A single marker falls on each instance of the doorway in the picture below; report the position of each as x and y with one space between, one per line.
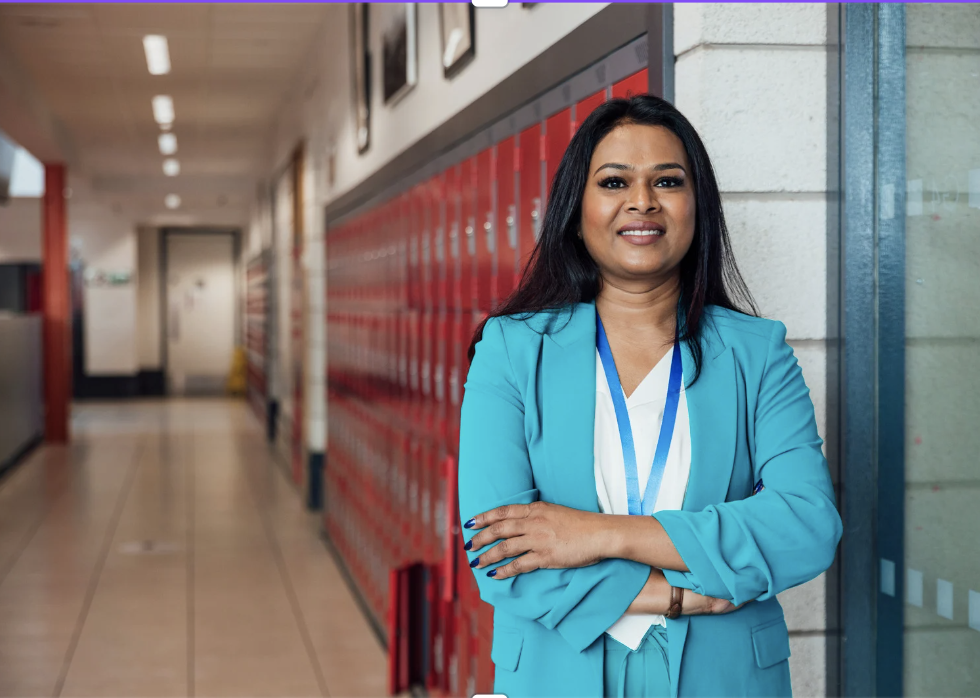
201 310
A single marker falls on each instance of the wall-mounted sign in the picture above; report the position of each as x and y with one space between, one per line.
102 277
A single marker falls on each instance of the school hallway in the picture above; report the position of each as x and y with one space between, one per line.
165 553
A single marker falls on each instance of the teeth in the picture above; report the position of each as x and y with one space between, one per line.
641 233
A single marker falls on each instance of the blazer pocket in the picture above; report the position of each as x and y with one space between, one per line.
771 643
506 649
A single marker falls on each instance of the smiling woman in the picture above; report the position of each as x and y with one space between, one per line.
627 343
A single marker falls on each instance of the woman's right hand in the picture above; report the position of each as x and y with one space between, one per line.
695 604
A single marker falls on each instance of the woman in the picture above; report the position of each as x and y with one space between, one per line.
628 344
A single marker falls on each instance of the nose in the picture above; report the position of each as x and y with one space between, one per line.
642 200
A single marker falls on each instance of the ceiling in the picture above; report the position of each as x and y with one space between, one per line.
83 66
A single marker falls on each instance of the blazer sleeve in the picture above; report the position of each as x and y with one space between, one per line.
494 470
787 534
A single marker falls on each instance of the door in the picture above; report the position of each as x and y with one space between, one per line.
201 312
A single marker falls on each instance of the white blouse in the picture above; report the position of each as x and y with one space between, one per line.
646 411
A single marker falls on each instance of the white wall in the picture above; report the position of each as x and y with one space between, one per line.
753 80
106 240
20 231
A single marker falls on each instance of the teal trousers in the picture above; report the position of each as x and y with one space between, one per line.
640 673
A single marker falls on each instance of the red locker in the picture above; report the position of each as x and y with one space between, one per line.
530 207
468 242
454 232
505 223
456 375
485 235
586 107
450 552
438 214
635 84
414 299
558 133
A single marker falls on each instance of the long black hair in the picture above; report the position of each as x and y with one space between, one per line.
560 271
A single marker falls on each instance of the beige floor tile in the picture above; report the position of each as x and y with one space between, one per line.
236 596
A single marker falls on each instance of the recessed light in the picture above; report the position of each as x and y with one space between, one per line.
163 110
172 201
171 167
168 143
157 54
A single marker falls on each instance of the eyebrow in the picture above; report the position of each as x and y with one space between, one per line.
630 168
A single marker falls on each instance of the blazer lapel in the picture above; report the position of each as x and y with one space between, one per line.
712 409
567 394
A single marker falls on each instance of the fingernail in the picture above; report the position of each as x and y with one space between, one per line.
476 561
492 573
469 544
470 524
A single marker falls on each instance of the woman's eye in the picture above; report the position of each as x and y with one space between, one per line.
613 183
668 182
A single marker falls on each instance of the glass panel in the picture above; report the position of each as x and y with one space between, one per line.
942 409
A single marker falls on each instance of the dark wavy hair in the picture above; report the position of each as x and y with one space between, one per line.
560 271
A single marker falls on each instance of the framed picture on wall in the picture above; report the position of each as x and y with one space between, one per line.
458 23
361 60
399 52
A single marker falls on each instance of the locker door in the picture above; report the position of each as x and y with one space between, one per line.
438 246
586 107
530 207
454 231
468 267
635 84
558 133
486 235
505 223
414 249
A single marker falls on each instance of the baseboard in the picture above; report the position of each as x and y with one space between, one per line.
315 464
152 383
106 386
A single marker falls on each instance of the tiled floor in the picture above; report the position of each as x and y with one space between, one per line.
164 553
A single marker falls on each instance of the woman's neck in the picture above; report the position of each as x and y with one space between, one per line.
647 310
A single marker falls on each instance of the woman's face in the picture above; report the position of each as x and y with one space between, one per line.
638 210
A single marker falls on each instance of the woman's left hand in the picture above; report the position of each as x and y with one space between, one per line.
541 536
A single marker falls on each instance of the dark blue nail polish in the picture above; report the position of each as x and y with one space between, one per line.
492 573
469 544
476 561
470 523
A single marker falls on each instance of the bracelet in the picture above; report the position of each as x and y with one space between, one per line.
676 603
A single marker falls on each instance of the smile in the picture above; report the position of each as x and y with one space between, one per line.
641 233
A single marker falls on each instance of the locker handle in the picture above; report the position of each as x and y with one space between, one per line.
488 227
512 226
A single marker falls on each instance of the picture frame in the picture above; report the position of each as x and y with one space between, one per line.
457 22
361 78
399 48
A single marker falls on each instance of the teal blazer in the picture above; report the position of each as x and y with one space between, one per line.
526 434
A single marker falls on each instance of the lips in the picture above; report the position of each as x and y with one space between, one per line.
642 229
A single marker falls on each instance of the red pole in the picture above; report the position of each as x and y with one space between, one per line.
56 306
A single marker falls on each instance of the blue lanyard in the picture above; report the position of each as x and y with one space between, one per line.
649 501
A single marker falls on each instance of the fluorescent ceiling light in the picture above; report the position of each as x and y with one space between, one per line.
171 167
163 110
168 143
172 201
157 54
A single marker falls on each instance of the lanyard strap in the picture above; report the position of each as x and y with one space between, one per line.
649 501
